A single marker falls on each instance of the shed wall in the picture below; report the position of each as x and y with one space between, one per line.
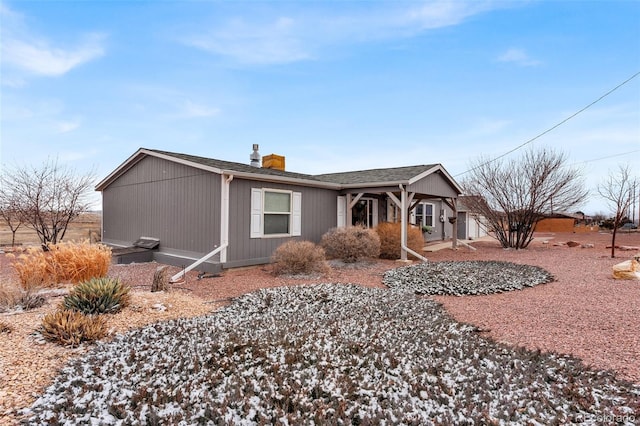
176 203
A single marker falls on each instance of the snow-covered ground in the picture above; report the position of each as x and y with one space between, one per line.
465 278
327 354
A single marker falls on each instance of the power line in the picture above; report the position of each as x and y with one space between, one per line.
553 127
607 157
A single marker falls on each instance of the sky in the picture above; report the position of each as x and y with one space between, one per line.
331 85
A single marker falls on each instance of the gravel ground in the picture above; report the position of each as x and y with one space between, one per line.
330 354
584 312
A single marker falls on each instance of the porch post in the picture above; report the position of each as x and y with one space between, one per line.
349 211
403 223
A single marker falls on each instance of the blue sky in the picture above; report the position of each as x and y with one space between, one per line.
333 86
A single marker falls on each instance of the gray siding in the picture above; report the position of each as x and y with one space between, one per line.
435 185
319 214
178 204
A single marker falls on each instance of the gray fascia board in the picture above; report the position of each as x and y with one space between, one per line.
373 184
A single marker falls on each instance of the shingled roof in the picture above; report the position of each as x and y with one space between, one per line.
393 175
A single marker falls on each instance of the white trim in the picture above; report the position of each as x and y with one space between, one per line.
258 200
342 211
296 214
256 213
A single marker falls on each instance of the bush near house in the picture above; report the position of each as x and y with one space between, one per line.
351 244
389 234
299 257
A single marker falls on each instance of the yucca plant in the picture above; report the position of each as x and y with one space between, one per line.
70 328
98 296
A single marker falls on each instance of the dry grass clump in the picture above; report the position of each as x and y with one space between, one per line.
11 296
351 244
64 262
71 328
5 328
299 257
390 239
98 296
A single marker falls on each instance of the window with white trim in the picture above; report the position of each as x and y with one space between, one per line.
424 214
275 212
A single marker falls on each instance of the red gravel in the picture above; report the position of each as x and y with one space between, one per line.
584 312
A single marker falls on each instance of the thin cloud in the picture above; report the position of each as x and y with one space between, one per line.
193 110
287 38
25 51
439 14
518 57
273 43
67 126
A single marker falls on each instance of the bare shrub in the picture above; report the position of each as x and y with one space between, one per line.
160 279
70 328
389 234
62 263
299 257
9 295
351 244
5 328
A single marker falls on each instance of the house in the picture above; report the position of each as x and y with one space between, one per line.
218 214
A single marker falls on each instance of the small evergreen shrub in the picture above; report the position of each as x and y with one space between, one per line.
351 244
299 257
70 328
390 239
98 296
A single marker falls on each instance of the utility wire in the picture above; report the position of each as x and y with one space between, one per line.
605 158
553 127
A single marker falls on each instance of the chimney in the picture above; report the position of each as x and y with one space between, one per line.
255 156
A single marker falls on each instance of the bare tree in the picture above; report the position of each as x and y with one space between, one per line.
617 190
514 195
48 197
10 213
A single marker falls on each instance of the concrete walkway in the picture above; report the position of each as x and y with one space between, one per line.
431 247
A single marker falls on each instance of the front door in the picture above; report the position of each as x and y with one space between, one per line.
365 213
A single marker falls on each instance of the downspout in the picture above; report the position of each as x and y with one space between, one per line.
224 231
224 216
403 229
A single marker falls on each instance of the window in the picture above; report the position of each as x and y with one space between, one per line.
275 213
424 214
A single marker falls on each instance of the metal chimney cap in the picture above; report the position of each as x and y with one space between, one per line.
255 156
